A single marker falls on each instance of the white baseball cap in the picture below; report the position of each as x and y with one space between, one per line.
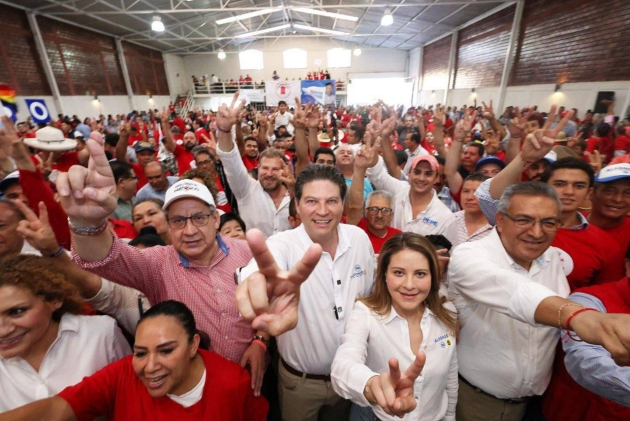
188 188
613 172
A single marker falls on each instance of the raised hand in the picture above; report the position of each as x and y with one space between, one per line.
439 117
538 143
299 117
394 391
226 117
165 115
87 194
37 230
518 125
487 110
286 177
8 135
312 116
366 156
270 297
465 125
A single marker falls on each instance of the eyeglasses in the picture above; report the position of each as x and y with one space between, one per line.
373 210
132 178
548 225
198 220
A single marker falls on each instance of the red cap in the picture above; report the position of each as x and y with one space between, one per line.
428 158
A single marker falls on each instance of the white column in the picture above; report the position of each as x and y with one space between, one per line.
509 56
125 72
451 66
43 55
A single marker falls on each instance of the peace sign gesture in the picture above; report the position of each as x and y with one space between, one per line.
270 297
465 125
393 391
368 153
538 143
227 117
37 230
487 110
87 194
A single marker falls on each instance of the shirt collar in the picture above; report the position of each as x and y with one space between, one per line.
582 224
342 246
536 264
393 314
223 247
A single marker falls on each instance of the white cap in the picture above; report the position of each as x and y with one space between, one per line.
78 134
613 172
188 188
551 157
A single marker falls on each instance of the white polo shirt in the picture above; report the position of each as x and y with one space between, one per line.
84 345
255 205
369 343
335 284
501 348
436 219
284 120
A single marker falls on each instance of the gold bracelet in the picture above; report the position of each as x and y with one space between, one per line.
562 307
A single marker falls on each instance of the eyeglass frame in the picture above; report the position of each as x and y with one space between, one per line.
381 210
187 218
533 221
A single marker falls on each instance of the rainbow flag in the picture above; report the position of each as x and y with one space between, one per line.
7 98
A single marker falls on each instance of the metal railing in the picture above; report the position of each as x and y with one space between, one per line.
231 87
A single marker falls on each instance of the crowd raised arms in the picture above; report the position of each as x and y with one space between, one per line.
306 262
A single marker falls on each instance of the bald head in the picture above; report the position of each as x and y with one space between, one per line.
156 176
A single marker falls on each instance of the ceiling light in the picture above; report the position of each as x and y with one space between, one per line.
221 54
248 15
323 30
157 25
387 19
356 51
323 13
263 31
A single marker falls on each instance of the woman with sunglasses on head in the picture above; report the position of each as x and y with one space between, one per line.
380 365
168 377
45 344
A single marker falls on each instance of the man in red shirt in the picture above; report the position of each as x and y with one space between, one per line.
250 156
183 153
622 142
180 123
200 132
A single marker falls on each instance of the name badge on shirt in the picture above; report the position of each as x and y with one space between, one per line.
445 340
429 221
358 271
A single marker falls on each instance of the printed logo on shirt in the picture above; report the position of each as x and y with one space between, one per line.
566 261
445 340
358 272
429 221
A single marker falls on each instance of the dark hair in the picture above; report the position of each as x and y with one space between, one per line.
358 129
292 209
324 151
320 172
120 169
158 202
147 237
112 139
476 176
603 129
281 102
250 138
208 180
401 156
199 122
231 216
439 241
480 148
571 163
415 137
176 310
440 159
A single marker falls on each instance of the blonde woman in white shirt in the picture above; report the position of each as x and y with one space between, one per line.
380 365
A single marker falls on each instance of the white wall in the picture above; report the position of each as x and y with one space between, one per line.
571 95
85 106
370 61
176 74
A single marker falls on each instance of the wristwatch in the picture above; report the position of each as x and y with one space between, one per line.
261 339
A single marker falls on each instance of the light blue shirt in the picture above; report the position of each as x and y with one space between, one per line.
148 192
367 187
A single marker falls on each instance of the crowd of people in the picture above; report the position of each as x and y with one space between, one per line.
305 263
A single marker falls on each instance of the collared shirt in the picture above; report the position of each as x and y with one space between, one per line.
148 192
326 298
84 345
501 348
435 219
461 231
123 209
162 273
371 340
447 199
256 207
411 155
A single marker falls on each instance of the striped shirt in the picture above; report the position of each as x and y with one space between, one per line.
461 232
162 273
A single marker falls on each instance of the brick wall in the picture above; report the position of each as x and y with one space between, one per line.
146 70
435 64
481 51
573 41
20 65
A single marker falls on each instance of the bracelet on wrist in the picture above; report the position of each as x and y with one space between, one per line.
87 231
562 307
568 327
224 131
57 253
262 339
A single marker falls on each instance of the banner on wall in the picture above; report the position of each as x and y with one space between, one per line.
38 110
252 95
7 102
277 91
320 92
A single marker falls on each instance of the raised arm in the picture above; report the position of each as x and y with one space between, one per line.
263 139
362 161
169 142
123 140
313 117
453 177
518 130
50 409
238 133
488 114
301 145
439 118
384 132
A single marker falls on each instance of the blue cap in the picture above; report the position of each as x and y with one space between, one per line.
489 159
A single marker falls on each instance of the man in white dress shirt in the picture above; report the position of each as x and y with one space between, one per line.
344 272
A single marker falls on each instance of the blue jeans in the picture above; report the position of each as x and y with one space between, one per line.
360 413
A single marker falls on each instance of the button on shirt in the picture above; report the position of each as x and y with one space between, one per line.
371 340
501 348
161 273
256 207
84 345
435 219
334 284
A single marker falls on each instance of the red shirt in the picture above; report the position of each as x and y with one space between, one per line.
622 143
198 134
377 242
117 393
65 161
184 158
222 201
132 139
180 123
122 228
620 233
250 164
139 171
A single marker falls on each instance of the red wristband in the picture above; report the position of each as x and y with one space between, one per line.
571 317
261 343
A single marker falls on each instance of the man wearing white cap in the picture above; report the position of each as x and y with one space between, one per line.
197 269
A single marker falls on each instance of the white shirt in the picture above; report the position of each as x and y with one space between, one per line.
193 396
371 340
84 345
284 120
501 348
411 155
256 207
461 230
435 219
334 284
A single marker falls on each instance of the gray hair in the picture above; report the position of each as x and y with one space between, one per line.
380 193
528 188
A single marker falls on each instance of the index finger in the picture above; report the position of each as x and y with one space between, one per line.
297 103
416 366
43 213
28 212
98 160
234 99
265 260
562 123
394 371
484 105
550 117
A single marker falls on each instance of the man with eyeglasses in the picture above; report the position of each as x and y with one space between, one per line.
197 269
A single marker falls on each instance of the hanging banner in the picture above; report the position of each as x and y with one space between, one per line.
38 110
276 91
7 102
320 92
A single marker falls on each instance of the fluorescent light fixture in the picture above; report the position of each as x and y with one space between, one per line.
263 31
221 54
387 19
323 13
323 30
356 51
157 25
248 15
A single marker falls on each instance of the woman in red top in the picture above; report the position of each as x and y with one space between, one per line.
167 378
